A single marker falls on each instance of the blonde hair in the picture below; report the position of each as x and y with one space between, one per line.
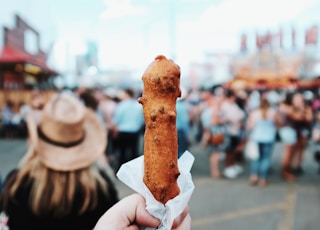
52 192
264 106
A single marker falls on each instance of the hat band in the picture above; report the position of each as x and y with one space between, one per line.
57 143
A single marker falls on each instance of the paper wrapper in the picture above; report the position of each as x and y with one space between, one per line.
131 173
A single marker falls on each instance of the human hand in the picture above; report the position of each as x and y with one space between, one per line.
203 144
182 222
130 214
115 133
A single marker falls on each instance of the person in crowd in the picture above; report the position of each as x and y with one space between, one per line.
204 101
24 110
214 130
130 213
37 103
253 100
287 136
262 126
128 121
302 117
298 116
59 183
107 106
241 101
183 123
37 100
16 121
193 100
315 105
234 117
315 137
7 117
89 100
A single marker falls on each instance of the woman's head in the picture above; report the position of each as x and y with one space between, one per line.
264 106
37 100
89 100
219 95
66 135
264 103
298 99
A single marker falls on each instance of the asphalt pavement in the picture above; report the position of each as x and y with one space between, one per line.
232 204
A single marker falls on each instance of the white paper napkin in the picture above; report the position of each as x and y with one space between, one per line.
131 173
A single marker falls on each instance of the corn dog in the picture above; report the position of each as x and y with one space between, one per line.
161 89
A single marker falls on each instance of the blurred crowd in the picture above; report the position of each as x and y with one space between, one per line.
228 123
77 140
244 126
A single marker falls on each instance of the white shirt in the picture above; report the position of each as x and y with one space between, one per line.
234 116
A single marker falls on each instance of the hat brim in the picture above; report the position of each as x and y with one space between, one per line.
70 158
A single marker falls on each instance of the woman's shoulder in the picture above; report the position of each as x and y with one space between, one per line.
255 113
112 190
10 176
21 195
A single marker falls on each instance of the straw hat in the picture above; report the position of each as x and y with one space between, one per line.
66 135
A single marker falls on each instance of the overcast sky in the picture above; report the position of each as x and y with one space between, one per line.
130 33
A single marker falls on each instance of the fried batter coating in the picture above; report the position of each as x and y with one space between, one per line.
161 89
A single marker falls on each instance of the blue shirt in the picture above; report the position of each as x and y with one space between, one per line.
206 118
129 116
264 130
182 119
7 115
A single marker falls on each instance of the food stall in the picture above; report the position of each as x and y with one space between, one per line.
23 65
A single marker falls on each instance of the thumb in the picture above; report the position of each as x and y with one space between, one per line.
143 217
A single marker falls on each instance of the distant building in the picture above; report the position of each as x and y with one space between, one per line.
23 64
87 63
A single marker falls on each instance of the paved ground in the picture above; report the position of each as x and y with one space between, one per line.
233 204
